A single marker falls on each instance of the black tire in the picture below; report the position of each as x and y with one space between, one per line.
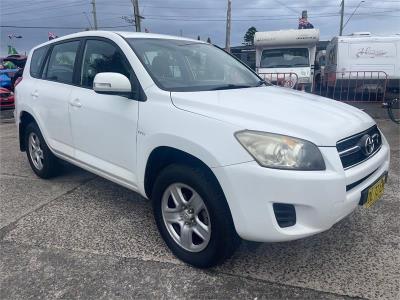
224 239
50 163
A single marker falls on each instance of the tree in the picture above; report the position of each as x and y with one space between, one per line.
249 36
209 40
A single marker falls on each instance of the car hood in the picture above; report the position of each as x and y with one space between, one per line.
278 110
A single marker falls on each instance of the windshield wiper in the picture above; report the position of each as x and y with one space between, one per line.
261 82
230 86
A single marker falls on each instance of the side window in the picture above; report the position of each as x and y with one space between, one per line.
37 60
101 56
165 63
60 66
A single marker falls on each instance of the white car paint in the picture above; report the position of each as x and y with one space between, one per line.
113 137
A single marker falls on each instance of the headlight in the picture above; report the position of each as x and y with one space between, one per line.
280 151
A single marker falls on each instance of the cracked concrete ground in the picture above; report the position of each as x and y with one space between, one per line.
81 236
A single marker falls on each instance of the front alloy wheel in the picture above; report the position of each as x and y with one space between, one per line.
186 217
192 215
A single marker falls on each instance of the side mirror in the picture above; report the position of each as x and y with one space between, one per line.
112 84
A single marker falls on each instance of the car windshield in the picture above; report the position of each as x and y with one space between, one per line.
285 58
181 65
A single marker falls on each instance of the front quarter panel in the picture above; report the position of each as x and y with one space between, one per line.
162 124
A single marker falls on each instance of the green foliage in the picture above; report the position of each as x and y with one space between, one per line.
12 50
249 36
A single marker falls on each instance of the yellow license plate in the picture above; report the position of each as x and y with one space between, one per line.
375 192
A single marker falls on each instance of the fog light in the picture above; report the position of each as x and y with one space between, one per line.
285 214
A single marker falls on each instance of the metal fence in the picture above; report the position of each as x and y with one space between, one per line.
288 80
353 86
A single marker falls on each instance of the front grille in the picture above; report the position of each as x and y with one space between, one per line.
5 95
285 214
359 147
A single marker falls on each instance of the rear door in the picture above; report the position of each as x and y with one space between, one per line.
51 94
104 126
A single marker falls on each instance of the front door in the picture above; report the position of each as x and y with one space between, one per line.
104 126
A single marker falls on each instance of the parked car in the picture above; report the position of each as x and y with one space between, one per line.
6 99
221 154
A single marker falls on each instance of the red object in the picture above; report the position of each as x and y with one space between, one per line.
6 98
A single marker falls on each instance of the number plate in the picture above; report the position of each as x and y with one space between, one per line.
373 193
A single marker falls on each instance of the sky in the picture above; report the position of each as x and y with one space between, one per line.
190 18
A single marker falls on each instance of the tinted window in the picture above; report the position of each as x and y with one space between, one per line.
60 66
181 65
285 58
101 56
37 60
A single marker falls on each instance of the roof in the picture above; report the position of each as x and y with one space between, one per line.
363 36
111 34
130 34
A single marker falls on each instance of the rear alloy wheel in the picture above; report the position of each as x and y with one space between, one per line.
42 160
193 216
35 151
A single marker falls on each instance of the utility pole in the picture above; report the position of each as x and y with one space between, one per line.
341 17
228 28
137 16
94 13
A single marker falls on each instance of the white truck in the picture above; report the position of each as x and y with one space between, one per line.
286 57
363 61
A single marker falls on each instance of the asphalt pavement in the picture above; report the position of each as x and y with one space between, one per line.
81 236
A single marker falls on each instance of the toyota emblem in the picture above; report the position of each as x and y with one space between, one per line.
368 145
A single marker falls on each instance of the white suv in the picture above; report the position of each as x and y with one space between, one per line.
222 154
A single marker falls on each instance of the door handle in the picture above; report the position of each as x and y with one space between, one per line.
35 94
75 103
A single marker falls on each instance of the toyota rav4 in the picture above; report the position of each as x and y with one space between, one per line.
222 154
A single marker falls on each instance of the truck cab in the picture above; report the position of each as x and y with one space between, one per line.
286 57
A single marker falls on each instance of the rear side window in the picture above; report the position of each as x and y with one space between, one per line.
37 60
60 66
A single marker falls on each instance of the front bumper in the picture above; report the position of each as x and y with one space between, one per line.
319 197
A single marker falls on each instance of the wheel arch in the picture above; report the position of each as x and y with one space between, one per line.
25 118
163 156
